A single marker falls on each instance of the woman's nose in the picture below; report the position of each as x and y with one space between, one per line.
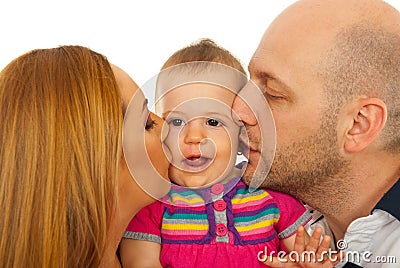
194 132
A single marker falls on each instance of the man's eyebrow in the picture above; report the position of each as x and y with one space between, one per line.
270 77
262 74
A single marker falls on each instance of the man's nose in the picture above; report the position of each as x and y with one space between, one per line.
242 110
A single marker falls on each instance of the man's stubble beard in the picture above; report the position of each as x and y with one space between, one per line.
309 169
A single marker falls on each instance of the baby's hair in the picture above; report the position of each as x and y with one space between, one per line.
203 60
206 50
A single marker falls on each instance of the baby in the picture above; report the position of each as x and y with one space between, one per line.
210 218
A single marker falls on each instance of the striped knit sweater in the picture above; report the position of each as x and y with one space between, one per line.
234 217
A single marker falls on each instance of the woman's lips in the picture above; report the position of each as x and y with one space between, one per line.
195 164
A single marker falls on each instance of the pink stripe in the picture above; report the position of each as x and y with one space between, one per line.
261 230
180 204
183 232
183 237
186 204
258 236
251 205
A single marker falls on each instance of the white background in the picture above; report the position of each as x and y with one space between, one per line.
138 36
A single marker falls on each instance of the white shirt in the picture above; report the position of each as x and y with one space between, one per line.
373 241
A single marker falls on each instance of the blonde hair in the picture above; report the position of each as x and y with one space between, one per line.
61 124
204 49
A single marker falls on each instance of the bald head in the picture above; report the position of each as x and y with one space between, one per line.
343 48
333 15
315 23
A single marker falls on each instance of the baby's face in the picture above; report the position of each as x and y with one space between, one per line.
203 137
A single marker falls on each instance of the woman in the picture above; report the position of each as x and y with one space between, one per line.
66 194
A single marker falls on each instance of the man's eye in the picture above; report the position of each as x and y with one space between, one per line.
213 122
177 122
270 96
269 93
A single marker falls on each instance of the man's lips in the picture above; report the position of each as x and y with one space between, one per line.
246 146
249 152
247 149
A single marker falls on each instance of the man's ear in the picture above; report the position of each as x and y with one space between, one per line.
368 119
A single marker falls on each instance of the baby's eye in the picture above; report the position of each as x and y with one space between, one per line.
177 122
213 122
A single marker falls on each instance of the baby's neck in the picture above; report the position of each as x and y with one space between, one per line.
235 172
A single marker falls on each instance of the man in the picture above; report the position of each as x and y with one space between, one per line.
330 72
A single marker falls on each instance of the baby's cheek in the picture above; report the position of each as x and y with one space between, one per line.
172 138
173 143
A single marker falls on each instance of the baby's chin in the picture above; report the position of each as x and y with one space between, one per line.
194 181
203 179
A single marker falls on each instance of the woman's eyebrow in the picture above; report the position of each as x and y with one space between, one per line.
146 101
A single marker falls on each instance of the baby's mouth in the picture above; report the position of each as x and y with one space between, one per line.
195 163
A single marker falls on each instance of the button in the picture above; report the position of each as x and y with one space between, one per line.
219 205
221 229
217 188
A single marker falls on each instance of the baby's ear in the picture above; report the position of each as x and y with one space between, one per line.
365 120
